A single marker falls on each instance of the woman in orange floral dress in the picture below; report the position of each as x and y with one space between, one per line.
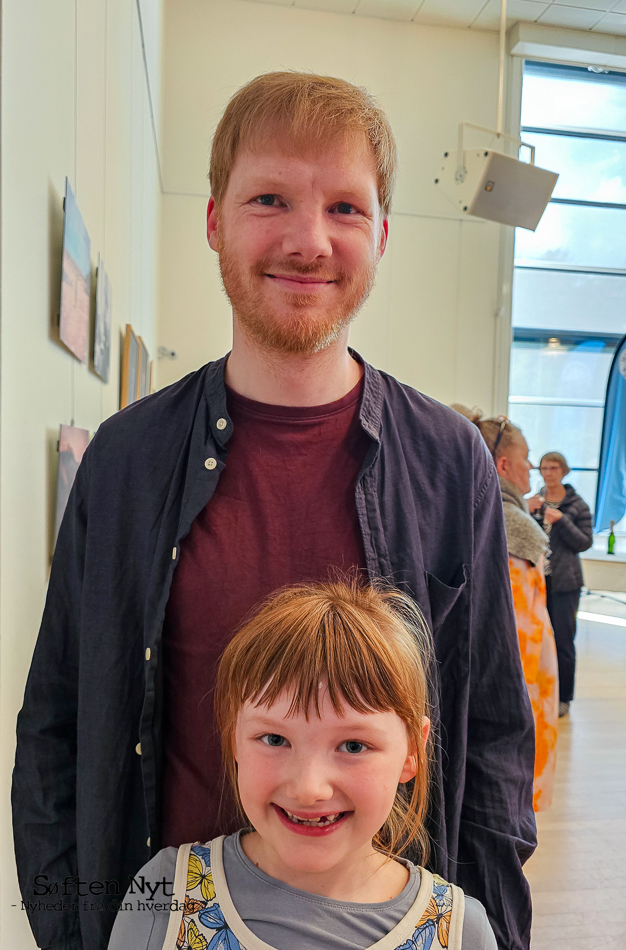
527 544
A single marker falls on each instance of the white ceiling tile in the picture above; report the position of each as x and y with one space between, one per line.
612 23
278 3
525 10
388 9
620 8
575 17
459 13
330 6
602 5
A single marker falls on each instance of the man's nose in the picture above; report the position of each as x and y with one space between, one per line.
307 235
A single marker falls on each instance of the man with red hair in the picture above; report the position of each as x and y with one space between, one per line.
285 460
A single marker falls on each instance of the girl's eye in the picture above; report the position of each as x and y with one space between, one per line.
352 746
266 199
273 739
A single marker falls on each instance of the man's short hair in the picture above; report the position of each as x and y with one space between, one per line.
307 109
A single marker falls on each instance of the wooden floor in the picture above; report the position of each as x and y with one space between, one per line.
578 873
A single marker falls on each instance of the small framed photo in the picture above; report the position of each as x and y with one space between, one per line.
130 368
143 370
102 337
76 280
72 445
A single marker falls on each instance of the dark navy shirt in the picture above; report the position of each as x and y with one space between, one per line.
88 776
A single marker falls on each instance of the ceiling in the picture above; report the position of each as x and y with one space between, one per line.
601 16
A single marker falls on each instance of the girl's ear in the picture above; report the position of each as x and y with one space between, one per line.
409 769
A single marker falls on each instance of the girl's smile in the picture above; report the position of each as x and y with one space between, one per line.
311 824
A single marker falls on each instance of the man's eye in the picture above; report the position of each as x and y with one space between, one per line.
267 199
352 746
344 207
273 739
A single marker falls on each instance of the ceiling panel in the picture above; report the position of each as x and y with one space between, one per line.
457 13
602 5
388 9
575 17
330 6
612 23
526 10
620 8
279 3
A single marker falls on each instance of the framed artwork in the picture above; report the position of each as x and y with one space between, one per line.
130 367
72 445
143 370
102 337
76 280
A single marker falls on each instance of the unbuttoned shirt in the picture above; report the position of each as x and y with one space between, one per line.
88 777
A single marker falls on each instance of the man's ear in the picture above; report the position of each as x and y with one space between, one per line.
211 225
384 234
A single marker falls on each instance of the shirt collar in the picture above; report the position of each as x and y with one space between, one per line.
370 413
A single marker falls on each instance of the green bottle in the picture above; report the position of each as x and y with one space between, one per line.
611 547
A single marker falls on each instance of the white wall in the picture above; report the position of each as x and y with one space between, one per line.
75 102
431 319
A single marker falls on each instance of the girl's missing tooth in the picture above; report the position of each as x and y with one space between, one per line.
322 705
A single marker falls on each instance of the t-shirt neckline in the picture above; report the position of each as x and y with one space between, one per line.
271 411
319 898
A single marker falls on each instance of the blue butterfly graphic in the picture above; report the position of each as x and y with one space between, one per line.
224 939
422 939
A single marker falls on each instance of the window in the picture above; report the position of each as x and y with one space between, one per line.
569 286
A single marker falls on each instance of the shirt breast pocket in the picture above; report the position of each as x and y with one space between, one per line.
449 611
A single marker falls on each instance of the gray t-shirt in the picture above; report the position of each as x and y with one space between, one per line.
280 915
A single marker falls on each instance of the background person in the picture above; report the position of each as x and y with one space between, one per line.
566 519
527 546
322 703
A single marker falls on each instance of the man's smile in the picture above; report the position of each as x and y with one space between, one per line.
300 282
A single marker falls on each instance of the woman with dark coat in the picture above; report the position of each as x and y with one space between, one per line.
566 519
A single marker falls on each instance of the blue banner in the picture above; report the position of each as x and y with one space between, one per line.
611 496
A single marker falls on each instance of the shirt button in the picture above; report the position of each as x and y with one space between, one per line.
221 423
148 842
173 554
210 464
138 748
148 653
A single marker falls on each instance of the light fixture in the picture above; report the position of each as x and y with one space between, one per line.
486 183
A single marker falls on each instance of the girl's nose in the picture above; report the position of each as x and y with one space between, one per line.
309 782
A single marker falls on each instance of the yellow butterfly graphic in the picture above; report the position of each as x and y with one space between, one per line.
195 940
197 876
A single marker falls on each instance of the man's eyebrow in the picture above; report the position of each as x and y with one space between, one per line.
262 185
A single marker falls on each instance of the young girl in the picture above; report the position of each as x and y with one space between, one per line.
321 701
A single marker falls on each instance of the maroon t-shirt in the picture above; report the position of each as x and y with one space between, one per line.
283 512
